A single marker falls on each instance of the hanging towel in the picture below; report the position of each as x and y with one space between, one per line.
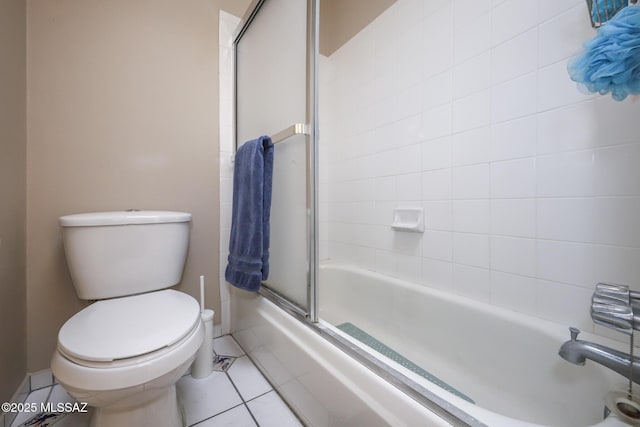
248 261
611 60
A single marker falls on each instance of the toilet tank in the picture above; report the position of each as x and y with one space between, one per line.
113 254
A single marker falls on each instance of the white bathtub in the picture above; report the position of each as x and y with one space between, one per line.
505 361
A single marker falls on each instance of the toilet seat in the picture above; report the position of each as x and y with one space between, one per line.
128 330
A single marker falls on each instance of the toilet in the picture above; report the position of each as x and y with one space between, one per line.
124 353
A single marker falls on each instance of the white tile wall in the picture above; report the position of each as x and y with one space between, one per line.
472 75
511 18
513 178
530 187
471 147
515 57
438 274
471 249
471 182
471 216
437 245
513 139
513 217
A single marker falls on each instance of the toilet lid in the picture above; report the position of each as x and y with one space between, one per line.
127 327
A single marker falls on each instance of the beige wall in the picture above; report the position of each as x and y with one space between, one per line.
340 20
122 113
235 7
12 191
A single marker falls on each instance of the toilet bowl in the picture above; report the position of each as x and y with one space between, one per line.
130 379
123 355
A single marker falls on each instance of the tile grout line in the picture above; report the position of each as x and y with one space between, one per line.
215 415
244 402
216 355
33 414
244 353
273 388
242 397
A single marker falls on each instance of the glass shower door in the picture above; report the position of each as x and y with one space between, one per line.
275 67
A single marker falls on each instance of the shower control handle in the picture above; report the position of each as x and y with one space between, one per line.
616 307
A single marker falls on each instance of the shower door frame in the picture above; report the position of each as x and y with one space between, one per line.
310 130
309 316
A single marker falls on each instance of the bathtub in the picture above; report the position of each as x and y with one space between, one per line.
506 362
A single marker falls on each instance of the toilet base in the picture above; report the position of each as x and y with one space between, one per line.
141 394
158 408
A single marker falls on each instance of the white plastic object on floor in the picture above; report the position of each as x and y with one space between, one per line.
203 364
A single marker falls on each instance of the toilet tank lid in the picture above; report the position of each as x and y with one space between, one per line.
122 218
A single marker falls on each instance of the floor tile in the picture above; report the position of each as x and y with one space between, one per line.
271 411
209 402
75 419
235 417
227 346
247 379
41 379
203 398
43 419
37 397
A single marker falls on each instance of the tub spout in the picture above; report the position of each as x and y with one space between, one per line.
577 352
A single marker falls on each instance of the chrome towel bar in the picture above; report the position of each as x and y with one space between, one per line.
283 135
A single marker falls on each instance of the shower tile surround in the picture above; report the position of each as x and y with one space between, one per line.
235 394
530 188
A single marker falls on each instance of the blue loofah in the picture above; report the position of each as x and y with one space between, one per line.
611 61
602 10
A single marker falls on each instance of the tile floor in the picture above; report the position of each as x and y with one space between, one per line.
235 394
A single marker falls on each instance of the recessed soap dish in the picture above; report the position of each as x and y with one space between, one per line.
408 219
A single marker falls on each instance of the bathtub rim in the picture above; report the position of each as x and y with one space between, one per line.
434 403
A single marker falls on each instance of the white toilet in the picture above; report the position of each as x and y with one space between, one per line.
124 353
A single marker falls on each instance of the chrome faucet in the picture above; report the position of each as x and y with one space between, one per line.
616 307
577 352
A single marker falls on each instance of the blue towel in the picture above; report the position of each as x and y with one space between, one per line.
611 60
248 262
